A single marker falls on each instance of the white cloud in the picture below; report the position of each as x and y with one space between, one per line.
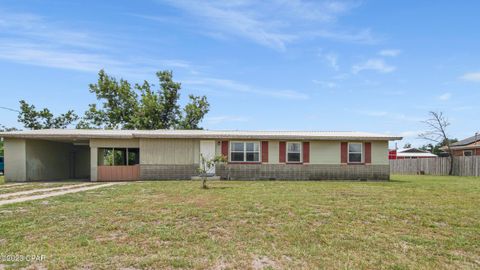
254 20
471 76
332 60
364 36
378 65
215 120
231 85
33 40
390 52
445 96
325 84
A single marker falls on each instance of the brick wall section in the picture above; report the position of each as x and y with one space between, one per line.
459 153
168 172
303 172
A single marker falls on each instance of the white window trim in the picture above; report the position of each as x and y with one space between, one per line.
471 152
361 152
301 152
244 152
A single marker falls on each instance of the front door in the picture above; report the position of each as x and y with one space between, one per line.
207 150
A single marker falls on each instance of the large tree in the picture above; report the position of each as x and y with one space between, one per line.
32 118
141 107
436 132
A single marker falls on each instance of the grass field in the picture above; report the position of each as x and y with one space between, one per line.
411 222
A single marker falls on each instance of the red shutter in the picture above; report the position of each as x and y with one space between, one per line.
368 153
282 152
306 152
344 152
265 151
225 149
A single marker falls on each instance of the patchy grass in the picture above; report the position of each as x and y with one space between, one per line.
2 180
412 222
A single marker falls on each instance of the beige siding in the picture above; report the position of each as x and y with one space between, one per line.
325 152
273 152
120 143
47 160
93 164
218 148
82 162
169 151
15 160
380 153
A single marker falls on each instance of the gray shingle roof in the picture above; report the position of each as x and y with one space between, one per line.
200 134
467 141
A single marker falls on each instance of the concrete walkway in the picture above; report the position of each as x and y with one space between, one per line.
58 193
20 193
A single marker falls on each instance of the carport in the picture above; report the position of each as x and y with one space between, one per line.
32 159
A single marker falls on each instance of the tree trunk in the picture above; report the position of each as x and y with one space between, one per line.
204 183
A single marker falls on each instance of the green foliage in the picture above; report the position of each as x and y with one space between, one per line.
43 119
206 164
194 112
141 107
437 148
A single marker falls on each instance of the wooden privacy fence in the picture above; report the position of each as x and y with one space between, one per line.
462 166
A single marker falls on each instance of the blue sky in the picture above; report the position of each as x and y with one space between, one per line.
376 66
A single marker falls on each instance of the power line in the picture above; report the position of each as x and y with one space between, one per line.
9 109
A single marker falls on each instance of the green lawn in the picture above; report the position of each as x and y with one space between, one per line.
411 222
2 180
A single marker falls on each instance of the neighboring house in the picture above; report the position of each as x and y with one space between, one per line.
410 153
466 147
109 155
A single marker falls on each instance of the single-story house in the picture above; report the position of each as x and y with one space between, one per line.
114 155
410 153
466 147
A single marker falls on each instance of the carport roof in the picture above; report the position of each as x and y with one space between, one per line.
196 134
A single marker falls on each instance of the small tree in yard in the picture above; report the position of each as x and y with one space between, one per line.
205 166
437 132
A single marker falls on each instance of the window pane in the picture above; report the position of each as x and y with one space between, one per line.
105 156
253 157
237 147
120 157
293 157
355 157
133 156
294 147
252 147
467 153
237 156
355 147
